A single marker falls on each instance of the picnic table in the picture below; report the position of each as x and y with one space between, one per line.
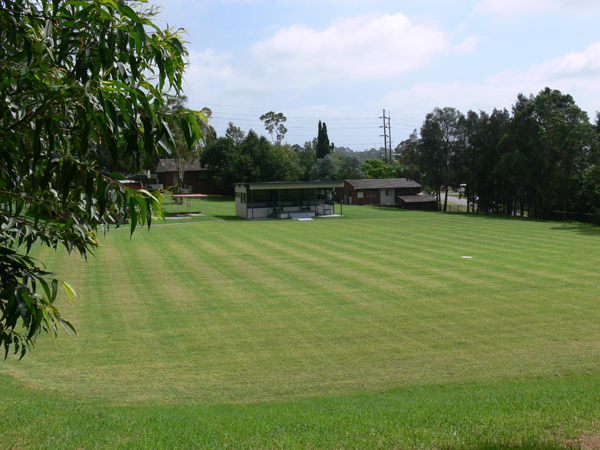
188 201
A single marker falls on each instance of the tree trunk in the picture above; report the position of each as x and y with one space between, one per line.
446 197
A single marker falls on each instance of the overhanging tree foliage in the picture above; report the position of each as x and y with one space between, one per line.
72 74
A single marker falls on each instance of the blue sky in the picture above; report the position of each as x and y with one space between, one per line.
344 61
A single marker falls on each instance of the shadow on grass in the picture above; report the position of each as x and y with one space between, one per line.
393 209
578 227
220 198
204 218
228 217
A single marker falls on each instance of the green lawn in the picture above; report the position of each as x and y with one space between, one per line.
366 331
214 207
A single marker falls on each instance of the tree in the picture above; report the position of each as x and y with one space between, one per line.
466 156
254 159
440 136
217 156
207 130
180 152
307 158
323 148
274 124
75 74
399 170
235 133
564 143
407 159
539 159
350 168
278 162
485 149
324 169
375 168
407 151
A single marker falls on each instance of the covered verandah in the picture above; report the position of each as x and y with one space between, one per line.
282 200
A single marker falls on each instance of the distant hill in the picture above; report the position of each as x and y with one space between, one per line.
362 156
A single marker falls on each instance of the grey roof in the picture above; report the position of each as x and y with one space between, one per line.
383 183
419 198
168 165
265 185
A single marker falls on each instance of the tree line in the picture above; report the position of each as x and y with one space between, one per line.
241 157
237 157
542 159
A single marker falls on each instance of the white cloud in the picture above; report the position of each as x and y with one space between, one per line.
506 7
363 49
208 70
576 73
375 46
468 45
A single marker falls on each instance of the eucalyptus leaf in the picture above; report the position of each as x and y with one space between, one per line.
77 76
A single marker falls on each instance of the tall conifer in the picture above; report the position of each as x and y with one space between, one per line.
323 148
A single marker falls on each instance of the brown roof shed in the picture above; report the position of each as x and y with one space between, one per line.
420 201
383 183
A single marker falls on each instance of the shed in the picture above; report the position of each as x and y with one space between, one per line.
283 200
421 202
378 191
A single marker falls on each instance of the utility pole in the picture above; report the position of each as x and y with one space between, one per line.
390 137
387 131
384 137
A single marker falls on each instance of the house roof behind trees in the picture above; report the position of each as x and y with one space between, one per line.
168 165
383 183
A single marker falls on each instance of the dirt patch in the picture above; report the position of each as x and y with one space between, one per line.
586 442
10 373
589 442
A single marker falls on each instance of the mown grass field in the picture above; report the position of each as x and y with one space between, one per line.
365 331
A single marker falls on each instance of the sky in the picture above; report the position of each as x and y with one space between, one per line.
346 61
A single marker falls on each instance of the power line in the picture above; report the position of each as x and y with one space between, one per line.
307 118
299 126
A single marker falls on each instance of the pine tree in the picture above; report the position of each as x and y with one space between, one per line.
323 148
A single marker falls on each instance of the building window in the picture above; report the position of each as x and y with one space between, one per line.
359 194
243 197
